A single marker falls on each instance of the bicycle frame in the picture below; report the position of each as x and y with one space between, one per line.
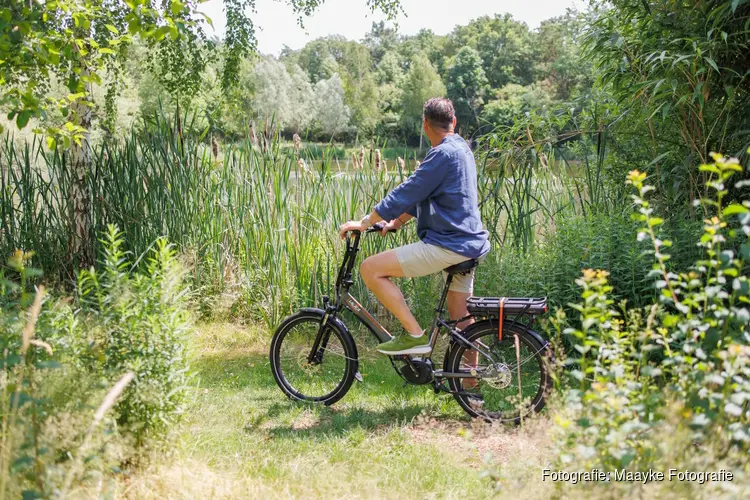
344 300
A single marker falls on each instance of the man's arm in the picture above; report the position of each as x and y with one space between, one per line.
405 196
402 219
416 188
374 218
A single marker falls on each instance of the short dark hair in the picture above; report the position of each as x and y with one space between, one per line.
439 113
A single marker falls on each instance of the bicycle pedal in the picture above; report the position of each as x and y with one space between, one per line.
358 376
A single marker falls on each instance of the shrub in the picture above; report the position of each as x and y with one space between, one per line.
139 321
596 241
65 364
50 433
674 373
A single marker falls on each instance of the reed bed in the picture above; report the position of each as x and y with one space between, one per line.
259 220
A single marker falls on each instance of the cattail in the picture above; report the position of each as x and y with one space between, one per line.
377 159
302 165
355 163
543 159
297 142
215 147
401 165
362 156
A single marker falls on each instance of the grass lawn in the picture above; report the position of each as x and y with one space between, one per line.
242 438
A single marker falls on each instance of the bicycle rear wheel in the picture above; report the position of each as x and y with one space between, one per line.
496 394
330 374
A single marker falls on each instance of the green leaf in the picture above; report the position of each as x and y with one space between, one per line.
162 32
655 221
23 118
105 50
709 168
208 19
31 495
735 208
112 29
713 64
665 110
51 143
177 7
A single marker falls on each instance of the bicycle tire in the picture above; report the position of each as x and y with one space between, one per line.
310 319
529 342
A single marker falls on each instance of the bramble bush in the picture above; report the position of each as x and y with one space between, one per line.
666 385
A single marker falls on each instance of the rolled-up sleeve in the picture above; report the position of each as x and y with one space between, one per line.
407 195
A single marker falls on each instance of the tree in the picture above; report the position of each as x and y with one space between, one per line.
79 39
467 85
331 112
506 47
272 85
512 101
380 40
317 57
302 97
360 86
682 70
421 83
560 60
75 40
284 94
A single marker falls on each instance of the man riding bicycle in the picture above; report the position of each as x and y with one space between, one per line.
442 195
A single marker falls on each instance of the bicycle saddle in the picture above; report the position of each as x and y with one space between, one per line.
462 267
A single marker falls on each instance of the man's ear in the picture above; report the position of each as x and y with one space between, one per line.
454 123
424 124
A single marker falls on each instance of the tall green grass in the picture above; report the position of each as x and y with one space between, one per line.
256 224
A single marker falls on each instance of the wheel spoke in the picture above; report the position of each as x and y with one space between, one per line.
499 394
321 378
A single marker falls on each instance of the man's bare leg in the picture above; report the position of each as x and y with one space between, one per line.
457 309
376 272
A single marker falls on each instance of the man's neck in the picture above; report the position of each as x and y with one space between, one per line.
439 138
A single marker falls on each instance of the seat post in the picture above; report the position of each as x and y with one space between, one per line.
443 296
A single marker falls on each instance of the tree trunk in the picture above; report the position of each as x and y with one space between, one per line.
80 242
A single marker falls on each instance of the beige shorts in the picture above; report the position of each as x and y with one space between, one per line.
421 259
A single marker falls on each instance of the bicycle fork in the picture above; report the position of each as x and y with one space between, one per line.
324 334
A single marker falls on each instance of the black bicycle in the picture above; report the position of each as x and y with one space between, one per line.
497 368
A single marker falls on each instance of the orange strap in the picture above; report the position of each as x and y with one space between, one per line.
500 321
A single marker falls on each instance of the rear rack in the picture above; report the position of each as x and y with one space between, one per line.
511 305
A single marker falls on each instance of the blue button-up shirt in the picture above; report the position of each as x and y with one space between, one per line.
442 195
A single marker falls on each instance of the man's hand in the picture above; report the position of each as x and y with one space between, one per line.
394 225
352 225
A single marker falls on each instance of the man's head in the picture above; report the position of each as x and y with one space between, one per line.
439 119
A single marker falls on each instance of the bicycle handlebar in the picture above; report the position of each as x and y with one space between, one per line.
377 227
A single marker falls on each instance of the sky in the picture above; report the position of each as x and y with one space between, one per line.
276 24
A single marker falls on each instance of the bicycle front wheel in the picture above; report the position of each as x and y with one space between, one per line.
498 393
324 376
